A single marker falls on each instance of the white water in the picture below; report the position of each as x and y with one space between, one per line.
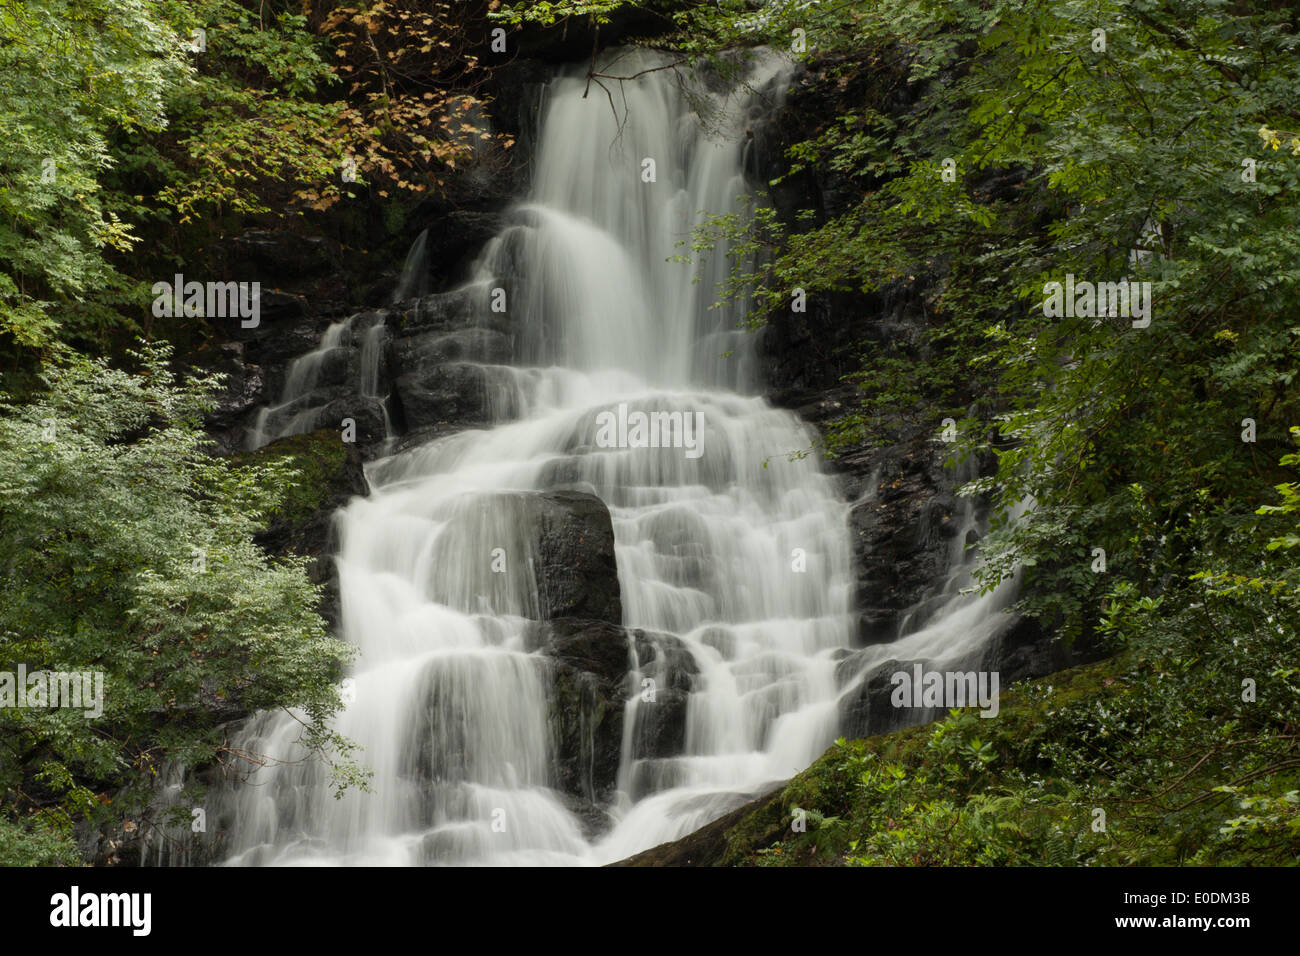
449 708
299 410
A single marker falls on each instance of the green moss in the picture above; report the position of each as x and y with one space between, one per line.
318 457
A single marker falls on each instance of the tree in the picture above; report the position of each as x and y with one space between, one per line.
71 74
125 549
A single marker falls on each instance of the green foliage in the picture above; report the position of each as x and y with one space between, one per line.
125 548
1187 770
1065 154
36 842
71 74
547 14
317 458
228 136
114 124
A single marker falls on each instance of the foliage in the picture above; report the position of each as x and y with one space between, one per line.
548 14
1001 146
122 117
71 74
412 71
247 118
127 549
1159 740
179 120
1107 141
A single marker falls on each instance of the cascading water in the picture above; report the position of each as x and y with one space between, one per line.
450 706
414 280
313 378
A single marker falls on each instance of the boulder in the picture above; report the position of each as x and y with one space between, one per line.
455 393
868 710
589 663
659 730
578 574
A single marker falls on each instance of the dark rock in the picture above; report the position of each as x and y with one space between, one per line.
578 575
276 306
868 710
589 688
462 308
552 554
459 345
240 394
902 526
366 413
659 730
1025 651
454 393
266 256
709 845
458 235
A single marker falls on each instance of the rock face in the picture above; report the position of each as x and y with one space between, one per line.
589 684
869 710
591 671
577 573
660 729
903 526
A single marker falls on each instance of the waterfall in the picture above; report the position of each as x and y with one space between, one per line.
736 559
347 361
414 280
294 413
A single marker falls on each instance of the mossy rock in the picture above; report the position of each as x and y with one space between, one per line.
328 468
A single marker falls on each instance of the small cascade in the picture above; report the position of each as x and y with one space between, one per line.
414 280
297 410
348 363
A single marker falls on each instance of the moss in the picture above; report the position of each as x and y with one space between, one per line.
319 457
1026 788
830 791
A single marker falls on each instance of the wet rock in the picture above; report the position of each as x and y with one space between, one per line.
869 710
367 414
241 392
578 574
458 345
710 845
463 308
902 527
586 701
454 393
659 730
